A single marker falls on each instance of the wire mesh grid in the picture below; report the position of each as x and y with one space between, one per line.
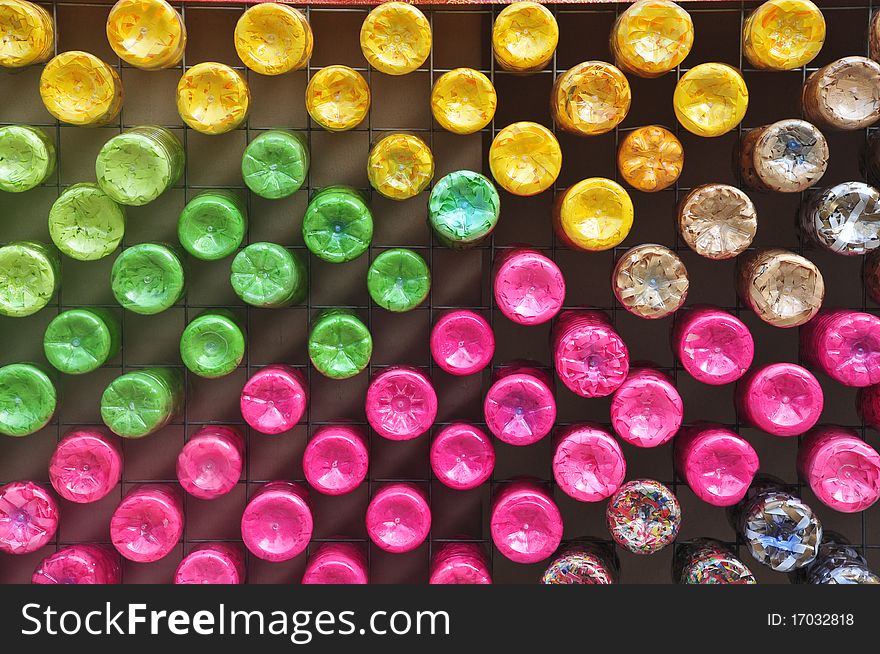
462 280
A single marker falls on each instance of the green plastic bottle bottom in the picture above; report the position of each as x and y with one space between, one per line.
340 345
137 166
463 208
27 158
141 402
147 278
29 276
398 280
212 345
275 164
27 399
85 223
81 340
338 225
269 275
212 225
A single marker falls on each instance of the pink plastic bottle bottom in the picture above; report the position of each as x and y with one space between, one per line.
336 563
588 464
529 287
335 461
590 357
460 563
714 347
644 516
646 411
28 517
274 399
148 523
526 524
79 564
215 563
845 345
462 342
401 404
716 463
398 518
277 523
782 399
520 408
211 461
462 456
85 466
842 470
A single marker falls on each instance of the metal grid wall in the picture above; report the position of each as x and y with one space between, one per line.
587 276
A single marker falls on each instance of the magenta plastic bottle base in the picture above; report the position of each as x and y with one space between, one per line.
841 469
85 466
401 403
519 407
28 517
78 565
336 460
646 410
277 522
525 523
462 342
211 461
588 464
462 456
714 347
336 563
782 399
716 463
460 563
274 399
529 288
148 523
214 563
398 518
590 357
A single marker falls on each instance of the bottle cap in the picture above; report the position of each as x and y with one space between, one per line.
463 208
396 38
643 516
463 101
30 273
274 399
277 523
782 399
710 99
148 523
27 155
31 31
783 34
717 221
79 564
338 224
398 280
525 523
212 225
462 456
210 463
650 281
460 563
583 563
715 462
212 345
275 164
401 403
519 407
588 464
462 342
272 39
590 98
338 98
646 410
78 341
141 402
593 215
650 158
652 37
336 459
336 563
147 278
27 399
524 36
841 468
714 347
398 518
85 466
340 345
79 89
525 158
147 34
529 287
400 166
85 223
214 563
268 275
590 357
28 517
213 98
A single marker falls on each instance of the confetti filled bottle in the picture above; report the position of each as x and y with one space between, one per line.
590 357
842 96
212 563
788 156
79 564
528 286
141 402
583 562
148 523
274 399
590 98
644 516
520 407
27 157
710 99
782 399
336 459
400 166
524 37
460 563
713 346
30 274
85 223
147 34
717 221
462 456
338 98
838 562
784 289
401 403
463 101
845 345
338 224
85 466
843 471
462 342
277 522
398 518
463 209
213 98
340 345
29 517
646 409
593 215
269 276
650 158
707 561
30 32
212 225
652 37
525 158
273 39
79 89
843 219
650 281
396 38
275 164
148 278
783 34
336 563
211 462
588 464
525 523
140 164
28 399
